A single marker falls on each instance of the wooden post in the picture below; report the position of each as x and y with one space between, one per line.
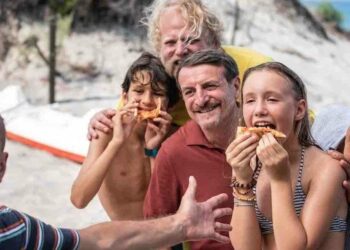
52 60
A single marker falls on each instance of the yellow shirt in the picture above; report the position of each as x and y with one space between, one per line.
245 58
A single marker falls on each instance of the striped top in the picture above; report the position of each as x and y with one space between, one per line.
266 226
21 231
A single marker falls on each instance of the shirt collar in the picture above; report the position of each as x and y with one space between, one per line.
194 135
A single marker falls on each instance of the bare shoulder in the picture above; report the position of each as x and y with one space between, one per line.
321 165
325 178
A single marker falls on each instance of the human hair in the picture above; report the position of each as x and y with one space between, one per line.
211 57
200 21
303 129
2 134
153 66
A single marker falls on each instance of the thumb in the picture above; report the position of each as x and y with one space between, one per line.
191 189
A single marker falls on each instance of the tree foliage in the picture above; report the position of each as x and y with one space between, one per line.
74 14
329 13
123 12
63 7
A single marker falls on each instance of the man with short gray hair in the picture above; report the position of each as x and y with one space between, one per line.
209 84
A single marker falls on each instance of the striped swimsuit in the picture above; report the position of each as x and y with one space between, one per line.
266 226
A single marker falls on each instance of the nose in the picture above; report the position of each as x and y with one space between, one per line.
181 49
260 109
201 98
147 99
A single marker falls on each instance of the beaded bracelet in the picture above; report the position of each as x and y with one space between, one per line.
250 197
245 192
236 184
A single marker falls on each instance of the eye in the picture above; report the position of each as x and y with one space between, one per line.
159 93
170 42
138 91
272 99
190 40
193 41
210 87
187 92
249 100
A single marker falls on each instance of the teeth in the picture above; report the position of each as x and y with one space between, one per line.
264 124
208 108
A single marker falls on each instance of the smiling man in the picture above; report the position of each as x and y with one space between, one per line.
209 82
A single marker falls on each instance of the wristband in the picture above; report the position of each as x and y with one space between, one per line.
151 152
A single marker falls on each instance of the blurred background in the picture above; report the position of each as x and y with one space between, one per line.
96 41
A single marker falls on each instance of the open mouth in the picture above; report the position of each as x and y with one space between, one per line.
176 64
264 125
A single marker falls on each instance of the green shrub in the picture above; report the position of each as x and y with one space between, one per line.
328 13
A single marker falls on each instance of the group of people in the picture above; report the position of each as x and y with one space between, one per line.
143 168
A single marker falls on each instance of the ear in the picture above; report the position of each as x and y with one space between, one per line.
236 84
301 109
3 164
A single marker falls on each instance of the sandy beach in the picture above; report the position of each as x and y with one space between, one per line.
39 183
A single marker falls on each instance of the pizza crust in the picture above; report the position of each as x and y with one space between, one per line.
260 131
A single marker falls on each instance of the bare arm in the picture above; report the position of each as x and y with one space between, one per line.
283 213
275 162
101 153
344 160
245 232
193 221
156 132
325 189
92 173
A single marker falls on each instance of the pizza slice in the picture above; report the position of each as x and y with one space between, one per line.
145 114
260 131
